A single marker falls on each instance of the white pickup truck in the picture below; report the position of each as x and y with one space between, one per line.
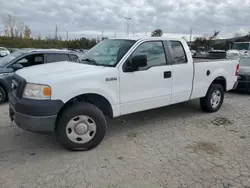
116 77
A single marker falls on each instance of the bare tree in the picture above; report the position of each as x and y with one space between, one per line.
27 32
9 26
39 37
216 33
13 27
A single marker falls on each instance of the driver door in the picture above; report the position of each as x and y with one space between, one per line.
148 87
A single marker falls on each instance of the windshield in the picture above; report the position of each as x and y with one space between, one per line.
108 52
245 62
240 46
5 60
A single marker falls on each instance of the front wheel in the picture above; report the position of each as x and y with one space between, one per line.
213 99
81 126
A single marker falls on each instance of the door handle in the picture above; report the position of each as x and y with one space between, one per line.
167 74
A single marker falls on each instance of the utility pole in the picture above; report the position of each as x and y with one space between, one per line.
67 34
127 25
191 32
102 34
56 31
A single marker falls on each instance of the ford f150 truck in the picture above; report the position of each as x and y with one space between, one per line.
114 78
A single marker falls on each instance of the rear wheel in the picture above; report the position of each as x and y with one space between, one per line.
3 95
81 127
213 99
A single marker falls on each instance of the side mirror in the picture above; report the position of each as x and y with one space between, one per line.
135 63
139 61
17 67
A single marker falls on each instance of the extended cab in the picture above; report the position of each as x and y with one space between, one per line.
116 77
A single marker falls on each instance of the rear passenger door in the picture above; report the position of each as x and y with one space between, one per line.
182 72
53 57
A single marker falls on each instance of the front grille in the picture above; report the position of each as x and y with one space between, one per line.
17 86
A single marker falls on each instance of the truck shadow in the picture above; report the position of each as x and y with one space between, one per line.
142 119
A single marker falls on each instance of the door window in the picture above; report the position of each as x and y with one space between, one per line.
155 54
31 60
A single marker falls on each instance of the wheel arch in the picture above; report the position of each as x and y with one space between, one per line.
96 99
221 80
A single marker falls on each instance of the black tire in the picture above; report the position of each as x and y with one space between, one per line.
74 110
205 102
3 95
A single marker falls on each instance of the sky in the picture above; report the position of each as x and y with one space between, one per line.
90 17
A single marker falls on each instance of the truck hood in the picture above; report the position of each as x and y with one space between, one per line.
57 69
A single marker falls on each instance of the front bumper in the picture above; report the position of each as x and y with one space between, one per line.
34 115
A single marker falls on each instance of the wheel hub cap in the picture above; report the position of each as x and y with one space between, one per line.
215 99
81 128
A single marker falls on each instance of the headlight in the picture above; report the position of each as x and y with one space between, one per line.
37 91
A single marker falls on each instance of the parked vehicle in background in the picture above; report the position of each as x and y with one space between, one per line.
4 52
242 47
26 58
117 77
244 74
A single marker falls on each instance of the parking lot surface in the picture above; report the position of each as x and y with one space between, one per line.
177 146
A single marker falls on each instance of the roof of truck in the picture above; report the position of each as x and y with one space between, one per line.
148 38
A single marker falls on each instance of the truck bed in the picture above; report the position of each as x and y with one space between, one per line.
207 59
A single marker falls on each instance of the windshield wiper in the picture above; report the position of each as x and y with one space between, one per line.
90 61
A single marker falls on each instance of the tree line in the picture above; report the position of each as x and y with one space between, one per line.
19 35
17 42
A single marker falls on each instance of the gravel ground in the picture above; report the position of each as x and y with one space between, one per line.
176 146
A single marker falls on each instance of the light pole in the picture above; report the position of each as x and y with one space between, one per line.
127 24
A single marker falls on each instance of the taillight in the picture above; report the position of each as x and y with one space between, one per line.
237 70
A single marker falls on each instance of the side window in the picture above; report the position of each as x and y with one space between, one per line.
74 57
23 61
31 60
57 57
155 54
178 52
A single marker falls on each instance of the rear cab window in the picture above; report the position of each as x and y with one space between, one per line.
178 52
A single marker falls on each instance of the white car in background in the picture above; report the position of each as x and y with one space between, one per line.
4 52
